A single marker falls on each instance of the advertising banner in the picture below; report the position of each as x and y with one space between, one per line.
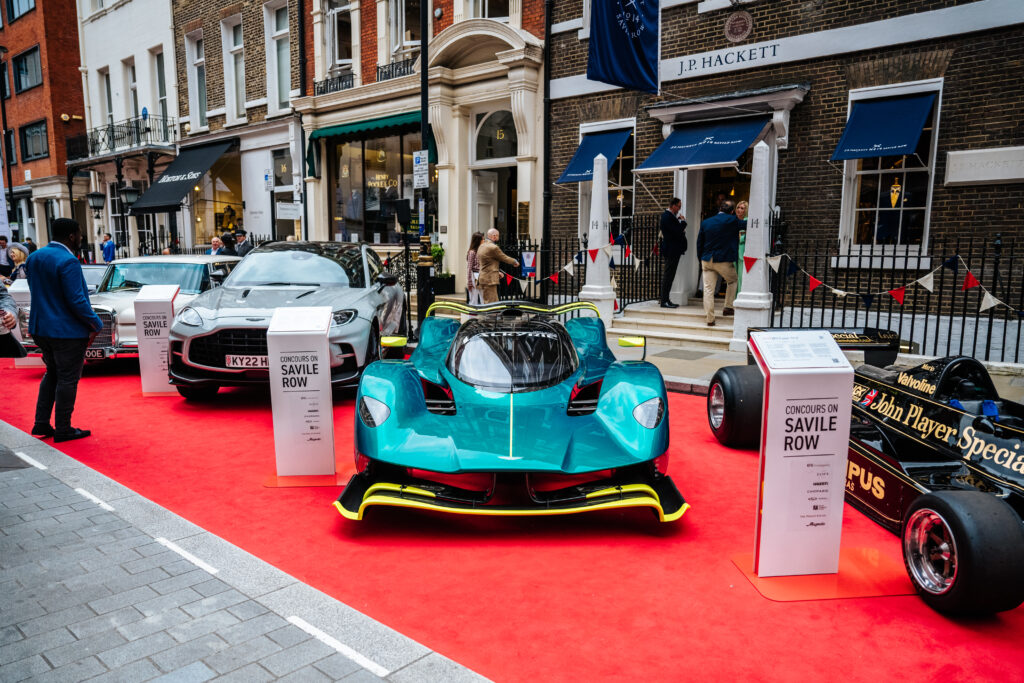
624 42
154 313
804 443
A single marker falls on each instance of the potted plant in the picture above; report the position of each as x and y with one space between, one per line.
443 282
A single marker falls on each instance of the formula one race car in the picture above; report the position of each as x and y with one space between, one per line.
936 456
512 413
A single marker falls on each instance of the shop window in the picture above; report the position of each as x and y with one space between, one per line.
339 37
34 143
405 28
216 199
16 8
348 196
491 9
28 70
887 200
621 180
496 136
196 55
10 153
234 69
279 69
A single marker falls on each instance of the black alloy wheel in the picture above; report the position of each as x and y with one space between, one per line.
734 406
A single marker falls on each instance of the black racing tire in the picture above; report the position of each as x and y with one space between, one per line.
964 551
199 392
734 405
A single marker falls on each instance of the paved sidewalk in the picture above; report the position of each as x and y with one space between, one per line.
98 583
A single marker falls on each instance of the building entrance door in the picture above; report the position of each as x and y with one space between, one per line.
485 191
494 201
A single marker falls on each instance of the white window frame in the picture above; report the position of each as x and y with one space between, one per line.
230 51
273 36
898 254
131 79
197 114
161 102
478 9
398 46
499 162
585 188
107 96
336 66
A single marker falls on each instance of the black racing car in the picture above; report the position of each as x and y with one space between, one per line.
936 456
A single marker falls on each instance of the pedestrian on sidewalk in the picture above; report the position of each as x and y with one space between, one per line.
718 248
491 256
5 260
9 346
108 248
673 246
473 293
63 324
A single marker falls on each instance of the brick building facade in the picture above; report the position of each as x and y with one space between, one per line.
43 100
805 65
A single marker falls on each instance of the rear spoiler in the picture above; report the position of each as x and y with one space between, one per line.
503 306
880 347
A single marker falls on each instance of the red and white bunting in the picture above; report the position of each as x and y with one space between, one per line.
814 282
553 277
970 282
748 262
988 301
568 267
899 293
927 282
773 262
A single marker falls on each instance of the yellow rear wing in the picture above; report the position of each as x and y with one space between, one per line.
502 306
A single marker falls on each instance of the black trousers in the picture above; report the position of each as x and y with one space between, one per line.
64 359
671 263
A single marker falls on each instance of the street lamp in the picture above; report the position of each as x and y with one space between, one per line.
96 201
129 195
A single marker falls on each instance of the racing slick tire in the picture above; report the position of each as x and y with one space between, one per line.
735 396
198 393
963 551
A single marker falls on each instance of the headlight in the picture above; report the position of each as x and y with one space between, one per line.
190 316
343 317
373 412
649 413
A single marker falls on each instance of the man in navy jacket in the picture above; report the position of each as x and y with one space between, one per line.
63 324
718 244
673 246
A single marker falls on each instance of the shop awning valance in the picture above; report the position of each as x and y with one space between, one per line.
709 143
608 143
880 128
385 125
179 177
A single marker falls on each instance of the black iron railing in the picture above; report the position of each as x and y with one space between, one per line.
945 320
150 244
334 84
395 69
123 135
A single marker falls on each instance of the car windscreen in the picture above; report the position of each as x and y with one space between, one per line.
94 274
190 277
296 267
512 360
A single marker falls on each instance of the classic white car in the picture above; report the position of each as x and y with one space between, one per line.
114 300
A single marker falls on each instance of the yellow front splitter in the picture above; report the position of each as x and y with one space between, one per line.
617 497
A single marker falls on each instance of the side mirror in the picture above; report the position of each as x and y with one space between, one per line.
635 343
218 276
393 342
387 279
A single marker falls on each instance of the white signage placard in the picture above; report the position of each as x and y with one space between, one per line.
154 313
985 166
420 170
300 390
289 211
804 441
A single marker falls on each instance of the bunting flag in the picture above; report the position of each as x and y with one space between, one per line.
970 282
898 294
579 257
607 249
508 279
952 263
611 263
928 281
553 277
593 254
568 267
387 262
637 263
793 268
615 303
628 251
773 262
814 282
838 292
988 301
868 299
748 262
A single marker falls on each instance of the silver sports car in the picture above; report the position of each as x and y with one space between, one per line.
220 339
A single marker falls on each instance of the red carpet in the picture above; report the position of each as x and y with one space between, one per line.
585 597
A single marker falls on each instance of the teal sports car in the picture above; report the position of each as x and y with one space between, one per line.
512 413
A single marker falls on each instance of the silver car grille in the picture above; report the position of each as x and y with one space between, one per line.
105 338
210 349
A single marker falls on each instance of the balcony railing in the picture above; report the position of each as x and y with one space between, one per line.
334 84
395 70
123 135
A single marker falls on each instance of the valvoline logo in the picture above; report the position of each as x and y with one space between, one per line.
869 399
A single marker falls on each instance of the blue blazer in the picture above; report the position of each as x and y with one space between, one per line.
60 297
719 238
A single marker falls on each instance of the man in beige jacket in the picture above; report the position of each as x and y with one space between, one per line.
490 254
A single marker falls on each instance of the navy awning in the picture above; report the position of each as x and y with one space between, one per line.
179 177
881 128
608 143
709 143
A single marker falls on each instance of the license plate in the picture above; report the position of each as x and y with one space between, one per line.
246 362
95 354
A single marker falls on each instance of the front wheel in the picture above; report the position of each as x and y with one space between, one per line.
200 392
734 405
964 551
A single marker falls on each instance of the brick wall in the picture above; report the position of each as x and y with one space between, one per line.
980 104
533 17
447 15
368 40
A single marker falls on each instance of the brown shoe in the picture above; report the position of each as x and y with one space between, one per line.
711 324
727 312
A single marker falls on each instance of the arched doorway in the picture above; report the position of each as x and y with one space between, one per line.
495 186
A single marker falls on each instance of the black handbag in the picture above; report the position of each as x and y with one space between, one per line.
11 347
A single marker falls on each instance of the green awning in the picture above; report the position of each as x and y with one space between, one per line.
388 125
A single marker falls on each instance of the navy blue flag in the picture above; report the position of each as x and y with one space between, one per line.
624 43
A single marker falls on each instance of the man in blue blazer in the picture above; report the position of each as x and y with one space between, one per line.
718 244
63 324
